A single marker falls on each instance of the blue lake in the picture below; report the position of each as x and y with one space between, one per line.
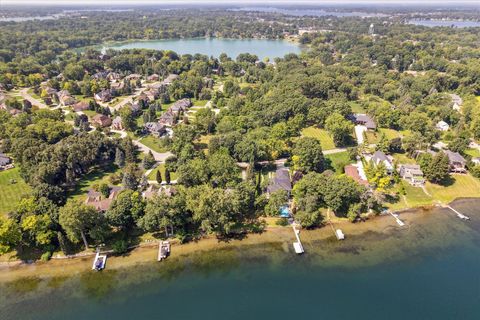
214 46
428 270
445 23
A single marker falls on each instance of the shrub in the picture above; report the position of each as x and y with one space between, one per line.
120 247
46 256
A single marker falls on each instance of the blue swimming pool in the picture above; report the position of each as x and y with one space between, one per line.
284 212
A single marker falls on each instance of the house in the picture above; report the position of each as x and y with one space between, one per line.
99 202
170 78
151 94
476 161
153 77
117 86
144 98
168 118
380 157
136 108
113 76
65 98
281 181
180 106
456 161
81 106
352 172
103 96
155 191
412 173
457 101
155 128
133 76
442 126
100 75
364 120
117 123
5 161
101 120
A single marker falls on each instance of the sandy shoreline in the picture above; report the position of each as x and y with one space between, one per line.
147 253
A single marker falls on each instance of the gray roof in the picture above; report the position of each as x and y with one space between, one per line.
281 181
365 119
380 156
455 157
4 159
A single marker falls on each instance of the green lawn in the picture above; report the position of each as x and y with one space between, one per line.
401 158
90 113
322 135
153 143
161 167
464 186
390 133
33 94
97 176
356 107
199 103
338 161
473 152
11 193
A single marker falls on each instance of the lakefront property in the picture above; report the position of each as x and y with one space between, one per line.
227 139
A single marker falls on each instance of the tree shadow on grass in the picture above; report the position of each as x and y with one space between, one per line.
447 181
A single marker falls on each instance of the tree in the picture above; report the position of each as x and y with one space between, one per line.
80 221
125 210
148 161
340 128
131 176
158 176
223 168
10 234
276 200
128 118
167 176
193 172
205 120
37 229
308 155
435 168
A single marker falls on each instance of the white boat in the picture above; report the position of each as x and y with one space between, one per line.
339 234
163 250
99 262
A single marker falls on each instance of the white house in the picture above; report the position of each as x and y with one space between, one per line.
442 126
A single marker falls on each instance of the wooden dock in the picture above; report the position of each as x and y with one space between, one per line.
397 219
163 250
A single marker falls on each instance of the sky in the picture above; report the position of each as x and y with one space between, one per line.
225 2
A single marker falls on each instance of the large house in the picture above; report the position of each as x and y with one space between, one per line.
169 80
456 161
281 181
98 201
380 157
80 106
101 120
364 120
103 96
65 98
412 173
117 123
155 129
168 118
180 106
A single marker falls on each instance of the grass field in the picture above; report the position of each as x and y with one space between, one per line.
401 158
390 133
11 193
90 113
161 167
153 143
463 186
356 107
473 152
322 135
338 161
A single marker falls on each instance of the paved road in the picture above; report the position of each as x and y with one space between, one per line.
159 156
25 95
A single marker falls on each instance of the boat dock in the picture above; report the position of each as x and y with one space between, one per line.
297 246
163 250
460 215
99 262
397 219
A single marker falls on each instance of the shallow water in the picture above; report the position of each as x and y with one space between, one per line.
426 271
214 46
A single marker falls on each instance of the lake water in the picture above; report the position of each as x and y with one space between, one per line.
214 46
428 270
310 12
445 23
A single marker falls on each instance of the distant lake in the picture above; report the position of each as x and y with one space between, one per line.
445 23
310 12
214 46
21 19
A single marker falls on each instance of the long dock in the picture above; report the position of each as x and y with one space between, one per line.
399 222
459 214
297 246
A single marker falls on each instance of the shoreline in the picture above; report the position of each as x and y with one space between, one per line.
146 254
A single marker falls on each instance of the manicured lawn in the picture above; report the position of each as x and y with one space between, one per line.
464 186
97 176
11 193
401 158
161 167
356 107
33 94
372 137
90 113
322 135
338 161
473 152
153 143
199 103
390 133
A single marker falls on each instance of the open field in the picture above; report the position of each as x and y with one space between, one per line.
153 143
11 193
96 176
337 161
322 135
